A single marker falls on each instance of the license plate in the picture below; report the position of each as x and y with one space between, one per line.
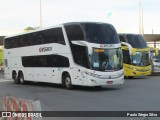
109 82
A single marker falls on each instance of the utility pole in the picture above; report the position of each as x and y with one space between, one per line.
154 40
139 14
142 23
40 13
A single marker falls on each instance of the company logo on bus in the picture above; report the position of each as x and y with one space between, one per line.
45 49
106 46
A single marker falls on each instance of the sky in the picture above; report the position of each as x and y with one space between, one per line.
122 14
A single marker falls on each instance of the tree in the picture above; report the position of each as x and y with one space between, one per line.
1 56
29 28
32 28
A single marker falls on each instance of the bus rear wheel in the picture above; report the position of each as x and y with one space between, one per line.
15 77
21 78
67 82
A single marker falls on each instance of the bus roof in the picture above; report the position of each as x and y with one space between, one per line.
72 23
60 25
32 31
128 34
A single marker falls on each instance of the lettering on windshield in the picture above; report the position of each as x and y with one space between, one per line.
107 45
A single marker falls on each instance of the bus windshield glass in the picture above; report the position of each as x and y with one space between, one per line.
136 41
100 33
106 59
141 59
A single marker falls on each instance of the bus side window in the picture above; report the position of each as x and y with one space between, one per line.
126 57
36 38
20 42
54 35
59 36
80 55
122 38
57 61
7 43
47 34
74 32
62 61
25 40
13 43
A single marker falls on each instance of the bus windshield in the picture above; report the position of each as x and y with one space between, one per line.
136 41
106 59
100 33
141 59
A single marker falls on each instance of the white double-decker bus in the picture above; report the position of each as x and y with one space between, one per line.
80 53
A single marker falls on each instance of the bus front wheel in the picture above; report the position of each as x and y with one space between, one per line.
67 81
21 78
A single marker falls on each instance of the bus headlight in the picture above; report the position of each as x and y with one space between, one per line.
140 70
135 69
156 66
132 68
92 74
106 76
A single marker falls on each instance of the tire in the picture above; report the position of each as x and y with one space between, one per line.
130 77
15 78
21 78
67 82
98 87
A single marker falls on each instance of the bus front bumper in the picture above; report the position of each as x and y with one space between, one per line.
137 71
103 80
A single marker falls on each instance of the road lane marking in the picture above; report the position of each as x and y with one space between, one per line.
2 80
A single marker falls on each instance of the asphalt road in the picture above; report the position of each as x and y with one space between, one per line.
139 94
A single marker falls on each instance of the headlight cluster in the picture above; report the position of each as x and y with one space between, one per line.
140 70
157 66
121 74
105 77
94 75
132 68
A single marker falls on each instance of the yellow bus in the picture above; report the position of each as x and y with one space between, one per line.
136 55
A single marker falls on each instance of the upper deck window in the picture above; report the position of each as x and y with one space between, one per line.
54 35
100 33
74 32
122 38
93 33
136 41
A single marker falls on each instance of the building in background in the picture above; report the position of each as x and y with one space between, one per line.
153 40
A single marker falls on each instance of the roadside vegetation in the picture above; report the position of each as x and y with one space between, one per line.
1 56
